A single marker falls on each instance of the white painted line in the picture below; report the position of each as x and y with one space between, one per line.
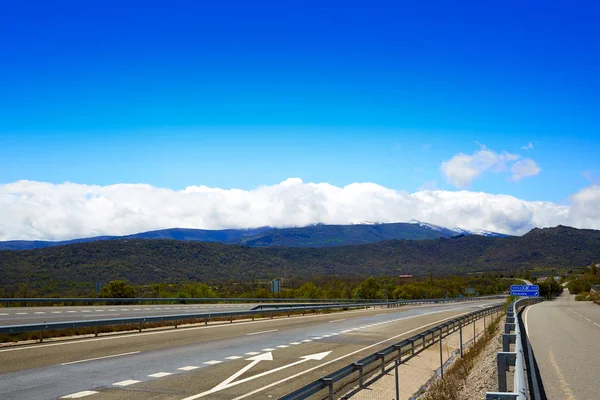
294 343
3 313
596 324
79 395
307 340
233 358
268 349
112 310
160 374
317 338
39 312
261 332
525 317
56 312
86 310
337 320
587 319
213 362
335 334
325 336
282 346
100 358
99 310
137 309
252 353
71 311
21 313
188 368
126 383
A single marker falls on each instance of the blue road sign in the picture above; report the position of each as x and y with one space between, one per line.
524 287
525 293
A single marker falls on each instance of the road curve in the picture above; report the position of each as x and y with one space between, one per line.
565 338
260 359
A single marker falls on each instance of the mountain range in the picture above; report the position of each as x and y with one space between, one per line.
59 269
318 235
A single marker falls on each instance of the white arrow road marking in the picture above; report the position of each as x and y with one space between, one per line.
255 360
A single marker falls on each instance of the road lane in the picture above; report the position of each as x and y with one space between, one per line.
178 364
565 337
38 315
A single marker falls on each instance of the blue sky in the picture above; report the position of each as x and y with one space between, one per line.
241 94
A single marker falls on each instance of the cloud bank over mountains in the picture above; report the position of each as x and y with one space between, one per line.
32 210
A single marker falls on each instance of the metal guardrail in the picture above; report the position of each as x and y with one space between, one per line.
398 353
56 300
11 329
514 358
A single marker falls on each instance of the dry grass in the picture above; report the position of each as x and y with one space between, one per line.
456 375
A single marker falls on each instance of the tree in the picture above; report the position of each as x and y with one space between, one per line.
368 288
117 289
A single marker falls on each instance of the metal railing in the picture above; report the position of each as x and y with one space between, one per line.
375 364
230 315
516 358
167 300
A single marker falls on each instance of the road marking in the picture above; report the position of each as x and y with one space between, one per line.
21 313
295 343
101 358
526 319
71 311
268 356
86 310
233 357
252 353
282 346
317 338
56 312
261 332
160 374
326 336
344 356
596 324
126 383
563 382
188 368
307 340
337 320
79 394
587 319
3 313
268 349
213 362
39 312
255 360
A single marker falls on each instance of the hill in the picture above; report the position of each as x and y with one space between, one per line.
147 261
309 236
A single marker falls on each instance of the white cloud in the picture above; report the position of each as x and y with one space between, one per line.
37 210
524 168
528 147
429 185
462 168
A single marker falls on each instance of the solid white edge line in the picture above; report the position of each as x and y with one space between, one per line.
100 358
525 317
126 383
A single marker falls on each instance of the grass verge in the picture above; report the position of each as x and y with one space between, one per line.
456 375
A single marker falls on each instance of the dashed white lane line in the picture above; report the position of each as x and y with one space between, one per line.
252 353
338 320
587 319
71 311
326 336
160 374
126 383
39 312
4 313
261 332
100 358
56 312
307 340
268 349
233 357
86 310
213 362
317 338
294 343
188 368
79 395
21 313
282 346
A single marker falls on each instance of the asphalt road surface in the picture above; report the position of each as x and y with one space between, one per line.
565 338
254 360
39 315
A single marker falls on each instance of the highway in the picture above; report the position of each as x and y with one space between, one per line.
565 338
38 315
261 359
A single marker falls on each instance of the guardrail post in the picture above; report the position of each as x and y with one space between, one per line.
397 379
412 345
206 321
41 335
253 316
96 331
140 328
231 319
502 366
398 348
382 356
460 338
441 357
359 366
329 383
